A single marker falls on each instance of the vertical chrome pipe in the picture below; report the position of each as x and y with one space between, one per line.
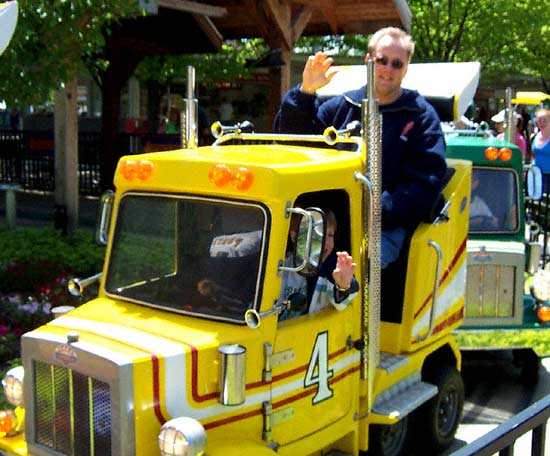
190 114
510 120
372 216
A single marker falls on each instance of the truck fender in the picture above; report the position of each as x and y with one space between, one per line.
233 447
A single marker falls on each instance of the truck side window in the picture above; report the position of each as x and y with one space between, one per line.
295 287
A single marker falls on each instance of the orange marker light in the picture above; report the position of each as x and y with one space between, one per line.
505 154
128 169
145 169
219 175
491 153
242 178
136 169
543 312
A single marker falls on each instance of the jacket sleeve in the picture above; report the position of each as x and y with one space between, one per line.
300 113
423 171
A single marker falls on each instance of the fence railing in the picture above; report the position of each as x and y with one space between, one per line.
27 158
501 440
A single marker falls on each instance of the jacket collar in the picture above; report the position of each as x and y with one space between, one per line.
407 101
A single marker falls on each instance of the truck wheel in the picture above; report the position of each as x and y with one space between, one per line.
440 416
389 440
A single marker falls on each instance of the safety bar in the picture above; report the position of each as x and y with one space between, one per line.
502 439
439 254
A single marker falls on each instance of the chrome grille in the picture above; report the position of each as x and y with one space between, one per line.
490 290
72 413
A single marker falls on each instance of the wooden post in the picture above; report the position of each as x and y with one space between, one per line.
66 158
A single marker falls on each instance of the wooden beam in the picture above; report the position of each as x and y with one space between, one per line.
194 7
210 30
328 7
273 18
299 21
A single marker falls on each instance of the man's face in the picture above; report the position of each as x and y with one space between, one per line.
389 55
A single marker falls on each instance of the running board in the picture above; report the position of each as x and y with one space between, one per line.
401 399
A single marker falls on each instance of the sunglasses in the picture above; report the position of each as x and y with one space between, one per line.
396 64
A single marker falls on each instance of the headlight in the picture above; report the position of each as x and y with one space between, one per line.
13 385
182 437
540 287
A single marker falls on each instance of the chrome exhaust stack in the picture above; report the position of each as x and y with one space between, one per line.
190 114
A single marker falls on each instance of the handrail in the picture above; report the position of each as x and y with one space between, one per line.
502 438
433 310
355 140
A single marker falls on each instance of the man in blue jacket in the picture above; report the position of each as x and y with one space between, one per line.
413 145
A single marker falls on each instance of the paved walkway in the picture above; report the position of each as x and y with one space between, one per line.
37 209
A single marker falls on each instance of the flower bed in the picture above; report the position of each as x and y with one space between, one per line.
36 265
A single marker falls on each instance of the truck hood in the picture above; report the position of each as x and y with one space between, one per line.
167 353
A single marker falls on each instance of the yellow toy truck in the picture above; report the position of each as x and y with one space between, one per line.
184 351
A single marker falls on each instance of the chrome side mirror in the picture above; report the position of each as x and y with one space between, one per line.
104 219
533 182
309 242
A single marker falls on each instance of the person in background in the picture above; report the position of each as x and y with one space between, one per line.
519 139
413 145
481 216
334 285
541 144
15 119
226 111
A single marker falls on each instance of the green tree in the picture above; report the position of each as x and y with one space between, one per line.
54 40
510 39
229 64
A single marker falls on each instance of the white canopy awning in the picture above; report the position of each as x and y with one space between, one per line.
455 82
8 20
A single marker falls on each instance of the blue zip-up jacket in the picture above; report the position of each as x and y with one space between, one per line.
413 146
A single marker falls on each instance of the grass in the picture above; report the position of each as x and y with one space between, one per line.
537 339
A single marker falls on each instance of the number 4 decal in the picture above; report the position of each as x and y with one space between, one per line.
318 372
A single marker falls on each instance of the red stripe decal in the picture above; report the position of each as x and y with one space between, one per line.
281 403
156 389
457 316
443 277
197 397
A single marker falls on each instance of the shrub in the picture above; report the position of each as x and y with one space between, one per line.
35 267
33 257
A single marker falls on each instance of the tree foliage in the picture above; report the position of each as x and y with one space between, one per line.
510 39
229 64
53 40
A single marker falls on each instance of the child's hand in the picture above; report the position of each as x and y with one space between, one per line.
343 273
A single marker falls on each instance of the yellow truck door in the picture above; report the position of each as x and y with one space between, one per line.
313 385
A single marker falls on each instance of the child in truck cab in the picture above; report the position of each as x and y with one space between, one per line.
334 285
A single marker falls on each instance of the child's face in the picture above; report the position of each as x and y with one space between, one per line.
329 242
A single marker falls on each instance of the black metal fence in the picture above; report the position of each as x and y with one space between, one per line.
538 214
27 158
503 438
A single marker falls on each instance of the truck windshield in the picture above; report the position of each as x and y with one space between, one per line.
188 255
494 200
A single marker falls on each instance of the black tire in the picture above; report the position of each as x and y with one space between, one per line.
439 418
389 440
